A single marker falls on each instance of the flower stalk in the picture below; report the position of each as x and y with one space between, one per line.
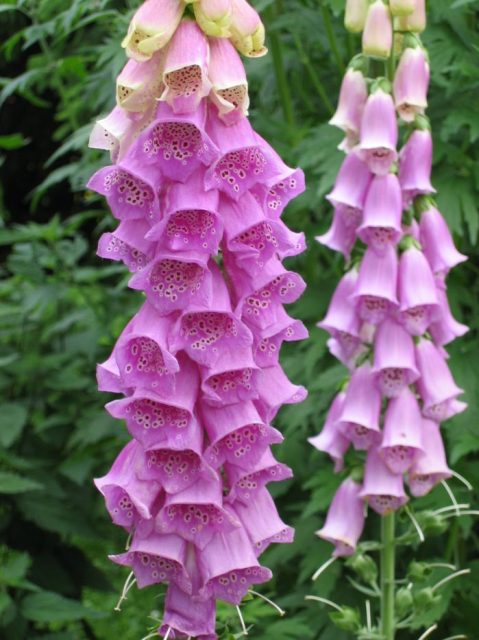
388 564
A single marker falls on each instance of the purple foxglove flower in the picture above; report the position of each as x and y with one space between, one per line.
276 192
381 223
130 195
176 144
255 238
261 520
345 520
229 567
417 292
411 83
151 27
152 417
267 342
142 353
231 378
341 320
208 334
139 84
402 7
331 440
155 559
430 466
375 292
274 390
355 15
261 295
244 483
382 489
445 328
436 385
378 31
351 187
108 376
341 235
174 281
416 20
237 435
184 69
415 162
228 79
117 130
196 513
379 132
359 416
244 160
214 17
394 361
190 219
402 438
437 242
187 617
247 30
127 243
343 352
127 498
352 99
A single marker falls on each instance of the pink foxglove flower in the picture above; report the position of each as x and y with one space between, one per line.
378 31
379 132
417 292
352 99
247 30
139 84
402 441
331 440
415 162
376 289
381 222
214 17
445 328
411 83
382 489
351 187
437 242
227 75
127 243
394 361
415 21
345 520
355 15
151 27
430 466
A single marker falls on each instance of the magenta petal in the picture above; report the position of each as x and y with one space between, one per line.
175 143
415 163
351 184
341 320
108 376
261 520
267 342
402 439
352 99
245 159
341 235
155 559
437 242
331 440
276 389
430 466
128 499
229 567
375 292
196 513
127 243
142 353
188 617
379 133
345 520
382 489
436 385
275 194
417 292
394 361
230 379
381 224
228 78
359 417
190 220
445 328
411 83
237 435
245 483
174 281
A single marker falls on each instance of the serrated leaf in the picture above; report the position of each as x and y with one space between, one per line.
14 483
13 417
51 607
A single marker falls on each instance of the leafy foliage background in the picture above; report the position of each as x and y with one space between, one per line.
61 310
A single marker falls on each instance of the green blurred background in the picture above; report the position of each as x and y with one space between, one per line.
62 308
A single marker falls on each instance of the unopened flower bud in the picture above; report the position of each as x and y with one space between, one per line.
355 15
378 31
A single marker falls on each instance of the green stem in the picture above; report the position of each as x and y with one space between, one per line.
281 79
387 576
315 79
332 38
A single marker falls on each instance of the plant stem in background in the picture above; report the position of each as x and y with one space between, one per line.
280 73
332 38
313 76
387 575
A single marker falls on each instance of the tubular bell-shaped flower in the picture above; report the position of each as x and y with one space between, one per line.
229 86
355 15
214 17
247 30
379 132
345 520
378 31
411 83
352 98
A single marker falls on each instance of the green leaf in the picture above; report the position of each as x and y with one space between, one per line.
50 607
14 483
13 418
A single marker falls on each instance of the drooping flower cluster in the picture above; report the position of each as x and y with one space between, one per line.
198 196
389 319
